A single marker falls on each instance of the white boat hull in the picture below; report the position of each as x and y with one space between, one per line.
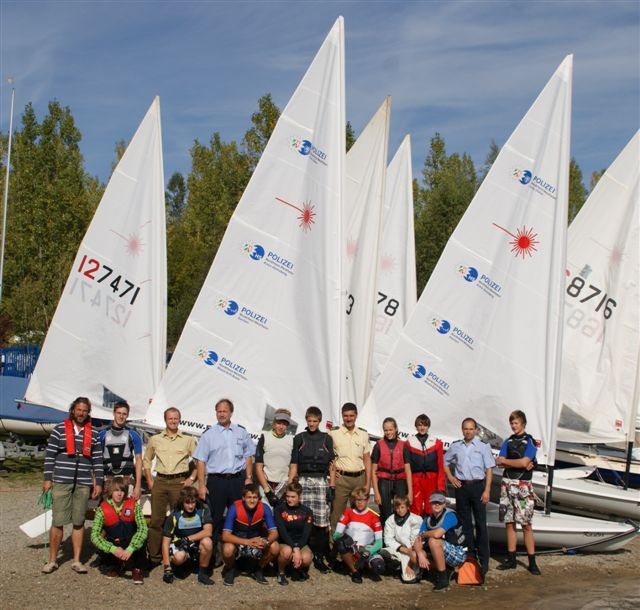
566 532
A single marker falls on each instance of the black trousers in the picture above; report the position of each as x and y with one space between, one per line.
222 493
473 518
389 488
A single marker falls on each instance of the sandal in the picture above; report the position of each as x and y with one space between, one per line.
78 567
49 567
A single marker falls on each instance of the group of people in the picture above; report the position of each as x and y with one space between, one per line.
292 501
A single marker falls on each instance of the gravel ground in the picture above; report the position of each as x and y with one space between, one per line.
591 582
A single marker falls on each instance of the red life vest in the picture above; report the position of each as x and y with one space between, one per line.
70 437
391 462
245 527
120 528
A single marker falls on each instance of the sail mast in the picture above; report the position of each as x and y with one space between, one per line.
6 190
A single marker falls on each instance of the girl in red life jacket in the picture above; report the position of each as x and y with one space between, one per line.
391 469
119 533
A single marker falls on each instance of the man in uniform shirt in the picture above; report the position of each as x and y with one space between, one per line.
353 460
472 463
224 460
172 450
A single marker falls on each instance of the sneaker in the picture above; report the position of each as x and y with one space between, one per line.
203 579
78 567
356 577
229 578
509 563
112 573
52 566
168 576
136 576
320 565
282 580
258 576
442 582
535 570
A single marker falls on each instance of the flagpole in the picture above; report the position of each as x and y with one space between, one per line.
6 189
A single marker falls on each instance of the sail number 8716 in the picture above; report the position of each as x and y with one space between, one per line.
574 290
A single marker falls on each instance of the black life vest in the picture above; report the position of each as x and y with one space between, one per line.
391 461
249 525
314 456
119 529
516 448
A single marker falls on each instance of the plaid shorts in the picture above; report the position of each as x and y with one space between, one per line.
242 550
517 501
314 495
454 554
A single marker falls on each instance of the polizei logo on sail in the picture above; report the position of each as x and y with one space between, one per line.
306 148
270 258
473 276
454 332
532 181
244 314
430 378
222 364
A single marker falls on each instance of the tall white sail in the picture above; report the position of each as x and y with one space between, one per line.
109 329
364 198
265 328
599 391
396 277
485 335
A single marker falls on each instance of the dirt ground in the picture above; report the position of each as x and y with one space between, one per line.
586 581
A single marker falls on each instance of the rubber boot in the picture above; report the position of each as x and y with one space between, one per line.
533 566
509 563
442 581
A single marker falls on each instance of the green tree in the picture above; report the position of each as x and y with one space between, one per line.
350 136
175 197
577 191
264 121
595 177
449 183
492 155
51 200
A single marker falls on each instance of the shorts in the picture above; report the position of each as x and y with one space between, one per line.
517 501
69 504
193 550
314 495
454 554
242 550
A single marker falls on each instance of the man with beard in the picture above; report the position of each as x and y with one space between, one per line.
72 467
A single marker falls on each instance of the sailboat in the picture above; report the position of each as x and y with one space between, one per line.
271 306
108 333
366 164
601 354
396 275
485 336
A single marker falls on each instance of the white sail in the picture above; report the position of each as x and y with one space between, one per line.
364 198
396 277
485 335
109 329
265 328
599 392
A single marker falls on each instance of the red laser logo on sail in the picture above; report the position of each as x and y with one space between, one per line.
307 216
524 241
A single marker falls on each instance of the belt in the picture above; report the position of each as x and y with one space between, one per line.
346 473
220 475
471 481
180 475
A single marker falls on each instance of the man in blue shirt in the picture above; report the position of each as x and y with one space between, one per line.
441 535
224 458
472 463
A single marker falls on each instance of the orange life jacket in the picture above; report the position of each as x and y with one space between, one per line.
70 437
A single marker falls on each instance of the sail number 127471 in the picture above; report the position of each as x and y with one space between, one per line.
99 272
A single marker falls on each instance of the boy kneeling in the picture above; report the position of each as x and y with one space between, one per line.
119 532
186 537
358 538
249 531
439 534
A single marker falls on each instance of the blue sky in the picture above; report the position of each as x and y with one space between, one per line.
467 69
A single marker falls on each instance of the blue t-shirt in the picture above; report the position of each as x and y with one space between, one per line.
450 521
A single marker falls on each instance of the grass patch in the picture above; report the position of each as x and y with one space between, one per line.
24 470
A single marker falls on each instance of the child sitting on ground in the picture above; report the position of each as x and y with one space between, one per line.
358 538
119 532
186 537
400 532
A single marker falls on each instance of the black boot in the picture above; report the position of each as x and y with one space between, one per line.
509 563
320 565
533 566
442 581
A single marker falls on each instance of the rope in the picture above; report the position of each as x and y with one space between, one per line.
46 501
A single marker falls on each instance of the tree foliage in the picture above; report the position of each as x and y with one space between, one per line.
577 190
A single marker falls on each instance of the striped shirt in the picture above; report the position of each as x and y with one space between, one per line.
62 468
